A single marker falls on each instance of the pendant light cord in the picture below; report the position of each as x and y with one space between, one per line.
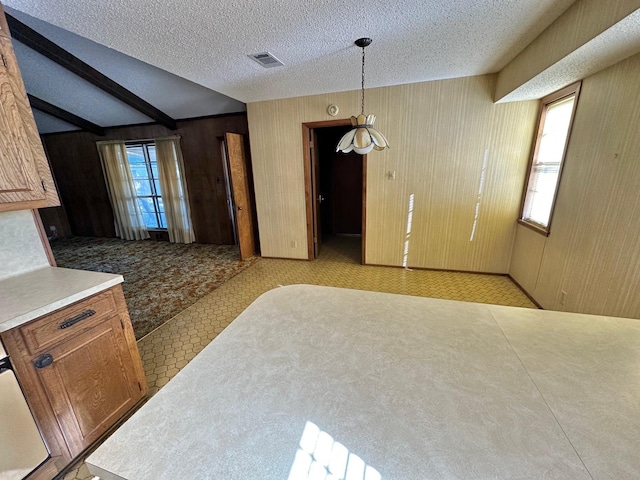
362 107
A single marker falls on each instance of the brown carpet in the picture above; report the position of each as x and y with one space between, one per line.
160 278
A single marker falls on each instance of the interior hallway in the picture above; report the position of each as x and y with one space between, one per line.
170 347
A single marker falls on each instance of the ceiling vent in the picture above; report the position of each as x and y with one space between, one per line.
266 60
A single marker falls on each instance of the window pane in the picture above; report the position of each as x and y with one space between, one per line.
555 131
142 163
146 204
150 220
135 154
139 170
545 170
151 150
542 191
142 187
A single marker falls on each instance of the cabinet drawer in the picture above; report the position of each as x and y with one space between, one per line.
42 334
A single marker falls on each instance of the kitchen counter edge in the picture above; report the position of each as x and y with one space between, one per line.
31 295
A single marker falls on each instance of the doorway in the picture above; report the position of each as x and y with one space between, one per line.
335 186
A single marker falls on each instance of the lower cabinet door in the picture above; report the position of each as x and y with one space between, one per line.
90 382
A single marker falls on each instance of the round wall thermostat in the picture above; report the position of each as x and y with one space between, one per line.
333 110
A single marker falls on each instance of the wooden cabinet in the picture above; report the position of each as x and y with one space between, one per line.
25 176
4 28
80 371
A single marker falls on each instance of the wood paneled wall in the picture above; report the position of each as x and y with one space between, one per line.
55 217
593 252
76 166
447 138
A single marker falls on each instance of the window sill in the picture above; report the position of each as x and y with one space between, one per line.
534 227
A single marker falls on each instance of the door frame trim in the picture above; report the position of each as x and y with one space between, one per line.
307 128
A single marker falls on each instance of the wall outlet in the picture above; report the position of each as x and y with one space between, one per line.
563 297
294 244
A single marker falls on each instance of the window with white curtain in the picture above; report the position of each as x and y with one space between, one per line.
144 170
554 126
147 188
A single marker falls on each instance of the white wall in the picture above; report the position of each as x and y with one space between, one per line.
21 250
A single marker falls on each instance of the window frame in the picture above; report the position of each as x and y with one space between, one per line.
151 178
573 89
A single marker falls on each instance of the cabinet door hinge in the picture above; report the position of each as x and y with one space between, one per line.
4 61
44 187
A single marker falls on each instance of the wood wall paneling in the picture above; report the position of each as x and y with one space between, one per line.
443 135
593 252
55 217
76 165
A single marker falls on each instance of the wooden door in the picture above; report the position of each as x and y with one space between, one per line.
91 383
241 194
316 193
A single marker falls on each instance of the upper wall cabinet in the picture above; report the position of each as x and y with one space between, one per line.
25 176
4 28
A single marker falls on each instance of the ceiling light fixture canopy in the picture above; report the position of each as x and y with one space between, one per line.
363 137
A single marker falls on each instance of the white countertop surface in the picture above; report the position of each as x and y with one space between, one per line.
28 296
316 380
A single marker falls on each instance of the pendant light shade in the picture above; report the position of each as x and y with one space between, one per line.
363 137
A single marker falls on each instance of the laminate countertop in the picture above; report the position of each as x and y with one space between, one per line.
28 296
318 382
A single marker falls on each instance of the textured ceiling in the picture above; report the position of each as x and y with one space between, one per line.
611 46
45 79
207 42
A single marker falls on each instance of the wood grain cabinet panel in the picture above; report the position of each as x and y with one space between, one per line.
25 176
72 320
19 178
79 380
91 383
4 27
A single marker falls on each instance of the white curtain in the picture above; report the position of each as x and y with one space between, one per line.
174 192
126 210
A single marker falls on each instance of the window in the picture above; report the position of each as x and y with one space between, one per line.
554 126
144 169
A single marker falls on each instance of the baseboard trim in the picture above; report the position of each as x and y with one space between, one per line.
533 300
437 269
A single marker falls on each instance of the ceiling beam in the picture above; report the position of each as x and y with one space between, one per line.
46 47
62 114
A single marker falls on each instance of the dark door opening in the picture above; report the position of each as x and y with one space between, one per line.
340 185
335 187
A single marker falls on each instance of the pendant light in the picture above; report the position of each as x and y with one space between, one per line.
363 137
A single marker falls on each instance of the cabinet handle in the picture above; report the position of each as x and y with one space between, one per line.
43 360
69 322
